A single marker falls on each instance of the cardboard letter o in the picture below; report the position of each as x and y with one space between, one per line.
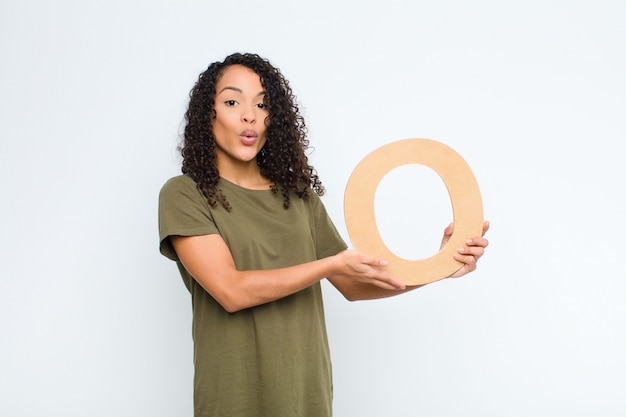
464 195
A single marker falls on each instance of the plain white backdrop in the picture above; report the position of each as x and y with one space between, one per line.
95 322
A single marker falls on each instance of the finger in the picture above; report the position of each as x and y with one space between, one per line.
486 225
392 284
468 260
477 241
364 258
384 280
447 232
475 251
373 261
379 262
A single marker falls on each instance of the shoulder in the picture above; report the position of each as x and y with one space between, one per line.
181 191
311 203
180 185
313 198
178 182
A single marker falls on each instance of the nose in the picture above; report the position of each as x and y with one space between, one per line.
248 115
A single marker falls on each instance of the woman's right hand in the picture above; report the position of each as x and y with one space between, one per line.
366 269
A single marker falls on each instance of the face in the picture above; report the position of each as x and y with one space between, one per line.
239 124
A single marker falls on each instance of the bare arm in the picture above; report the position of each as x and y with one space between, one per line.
208 259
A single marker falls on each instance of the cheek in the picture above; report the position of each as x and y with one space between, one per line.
219 133
262 141
219 124
214 127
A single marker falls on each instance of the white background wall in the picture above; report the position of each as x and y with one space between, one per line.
94 322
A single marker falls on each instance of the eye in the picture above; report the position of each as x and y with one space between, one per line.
230 103
262 106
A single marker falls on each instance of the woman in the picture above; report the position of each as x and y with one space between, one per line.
252 241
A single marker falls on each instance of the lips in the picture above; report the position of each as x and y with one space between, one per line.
248 136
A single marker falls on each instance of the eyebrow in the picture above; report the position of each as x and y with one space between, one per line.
239 90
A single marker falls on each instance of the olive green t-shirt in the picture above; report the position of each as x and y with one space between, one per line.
270 360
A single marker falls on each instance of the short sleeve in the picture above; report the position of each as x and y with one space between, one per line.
183 211
328 241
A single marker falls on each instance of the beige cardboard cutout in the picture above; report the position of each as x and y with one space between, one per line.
464 194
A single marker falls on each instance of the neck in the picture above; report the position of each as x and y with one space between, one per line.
245 175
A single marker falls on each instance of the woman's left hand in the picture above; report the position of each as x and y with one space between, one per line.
470 253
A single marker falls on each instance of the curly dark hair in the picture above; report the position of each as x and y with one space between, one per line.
282 159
